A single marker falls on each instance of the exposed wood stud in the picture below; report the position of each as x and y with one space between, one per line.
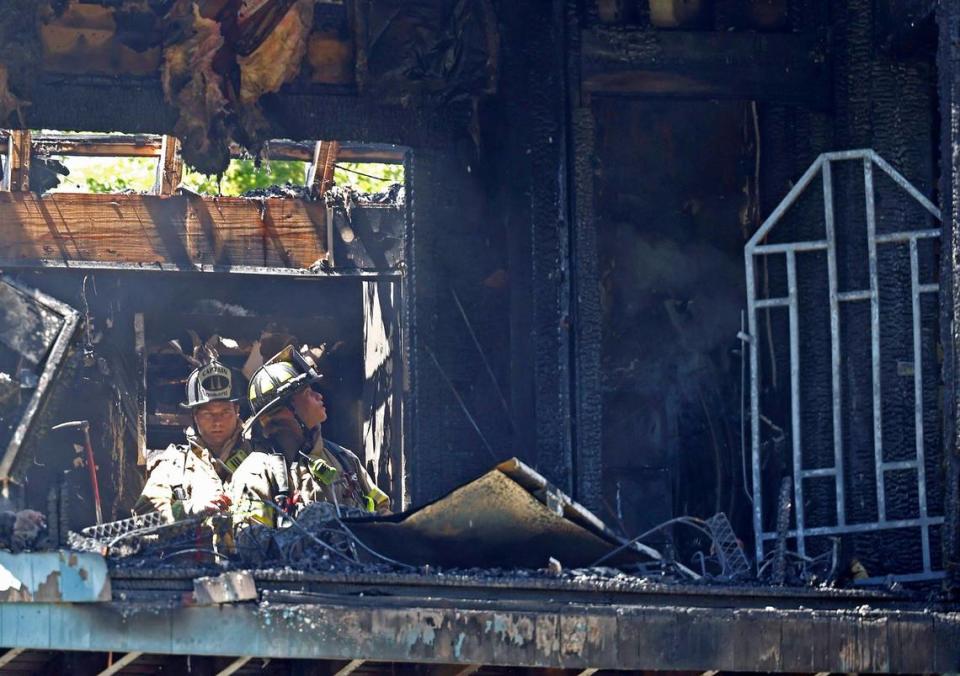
321 170
234 666
169 167
139 333
16 175
120 664
591 672
10 656
349 668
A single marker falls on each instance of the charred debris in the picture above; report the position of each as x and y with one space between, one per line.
652 347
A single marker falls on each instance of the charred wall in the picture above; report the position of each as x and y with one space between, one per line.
679 182
948 62
573 259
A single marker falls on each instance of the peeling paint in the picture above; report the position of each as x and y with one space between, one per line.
53 576
517 631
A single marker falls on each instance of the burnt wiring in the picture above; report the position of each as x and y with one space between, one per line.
693 522
360 173
150 534
463 405
806 568
726 550
486 362
192 550
341 529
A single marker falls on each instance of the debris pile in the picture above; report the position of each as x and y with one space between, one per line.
24 530
348 197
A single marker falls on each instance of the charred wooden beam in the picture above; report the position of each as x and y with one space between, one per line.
16 175
532 634
781 67
96 145
137 105
348 152
147 230
321 169
150 145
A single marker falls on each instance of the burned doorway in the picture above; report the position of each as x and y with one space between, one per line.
674 202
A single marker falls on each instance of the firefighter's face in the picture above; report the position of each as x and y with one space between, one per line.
280 424
216 422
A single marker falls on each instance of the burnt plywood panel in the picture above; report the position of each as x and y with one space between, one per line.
148 230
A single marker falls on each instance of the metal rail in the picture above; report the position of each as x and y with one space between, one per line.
756 248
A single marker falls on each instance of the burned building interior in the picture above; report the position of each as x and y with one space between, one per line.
653 343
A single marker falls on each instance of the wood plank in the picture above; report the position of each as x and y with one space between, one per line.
16 175
147 229
349 668
96 145
234 666
321 170
118 666
169 167
139 332
10 656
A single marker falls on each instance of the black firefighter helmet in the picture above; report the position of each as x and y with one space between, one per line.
282 376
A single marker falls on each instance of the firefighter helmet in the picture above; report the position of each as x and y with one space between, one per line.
209 382
282 376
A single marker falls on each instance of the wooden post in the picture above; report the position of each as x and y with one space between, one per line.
140 342
169 168
321 171
16 175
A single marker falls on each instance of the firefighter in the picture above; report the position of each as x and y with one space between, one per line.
302 467
192 479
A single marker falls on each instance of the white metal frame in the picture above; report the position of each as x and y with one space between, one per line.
755 248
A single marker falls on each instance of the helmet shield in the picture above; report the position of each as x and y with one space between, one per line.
210 382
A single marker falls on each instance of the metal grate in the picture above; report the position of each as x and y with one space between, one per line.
757 247
729 551
114 529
